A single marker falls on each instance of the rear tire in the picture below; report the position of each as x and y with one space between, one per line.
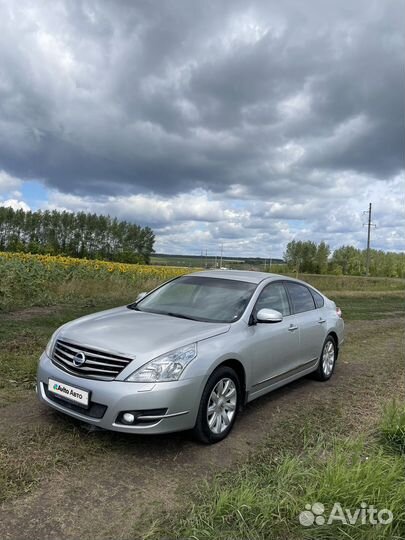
327 361
219 406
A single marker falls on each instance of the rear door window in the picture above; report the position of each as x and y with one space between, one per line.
319 301
301 298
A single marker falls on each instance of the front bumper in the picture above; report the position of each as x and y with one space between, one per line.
179 399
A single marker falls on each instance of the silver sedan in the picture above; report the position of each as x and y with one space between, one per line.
191 353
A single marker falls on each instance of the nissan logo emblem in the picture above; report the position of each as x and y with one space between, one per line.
79 359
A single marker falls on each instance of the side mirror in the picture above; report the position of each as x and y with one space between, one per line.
140 296
268 316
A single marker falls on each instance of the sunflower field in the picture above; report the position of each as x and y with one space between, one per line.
35 280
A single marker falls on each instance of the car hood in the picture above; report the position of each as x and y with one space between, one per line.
136 334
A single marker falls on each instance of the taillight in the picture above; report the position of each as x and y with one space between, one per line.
338 312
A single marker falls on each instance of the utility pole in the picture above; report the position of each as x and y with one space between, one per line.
369 225
222 252
206 258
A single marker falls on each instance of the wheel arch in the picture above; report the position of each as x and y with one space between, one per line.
238 367
333 334
335 338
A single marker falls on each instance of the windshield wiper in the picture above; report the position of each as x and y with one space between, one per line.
179 315
169 313
134 307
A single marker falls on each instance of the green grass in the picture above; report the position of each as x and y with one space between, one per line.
194 261
76 292
392 427
263 499
370 307
24 335
348 284
177 260
28 455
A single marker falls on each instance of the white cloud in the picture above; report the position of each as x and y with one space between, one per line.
298 104
8 183
201 220
157 211
15 204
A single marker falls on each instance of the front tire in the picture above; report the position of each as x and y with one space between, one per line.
219 406
327 360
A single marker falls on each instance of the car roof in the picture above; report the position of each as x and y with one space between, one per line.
238 275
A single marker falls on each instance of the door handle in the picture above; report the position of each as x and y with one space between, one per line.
321 321
292 327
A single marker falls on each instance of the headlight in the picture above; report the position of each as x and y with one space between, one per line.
51 344
167 367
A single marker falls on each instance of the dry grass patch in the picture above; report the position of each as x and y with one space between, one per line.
27 456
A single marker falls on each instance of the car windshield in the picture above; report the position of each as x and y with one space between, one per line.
199 298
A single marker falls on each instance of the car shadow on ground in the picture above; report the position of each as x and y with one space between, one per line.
250 424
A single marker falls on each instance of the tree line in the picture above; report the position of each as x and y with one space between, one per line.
82 235
309 257
93 236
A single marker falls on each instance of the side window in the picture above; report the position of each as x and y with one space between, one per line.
319 301
275 297
300 296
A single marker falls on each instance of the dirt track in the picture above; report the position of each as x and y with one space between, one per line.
105 495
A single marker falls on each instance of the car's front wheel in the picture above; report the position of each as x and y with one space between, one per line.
327 360
219 406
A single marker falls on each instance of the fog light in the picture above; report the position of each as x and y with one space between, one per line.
128 418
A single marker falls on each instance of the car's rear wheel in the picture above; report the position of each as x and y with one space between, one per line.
327 360
219 406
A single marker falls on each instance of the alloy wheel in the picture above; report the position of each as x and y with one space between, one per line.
221 405
328 358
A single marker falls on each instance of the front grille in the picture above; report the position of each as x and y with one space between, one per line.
97 365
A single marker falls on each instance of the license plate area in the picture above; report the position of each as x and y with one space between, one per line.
72 394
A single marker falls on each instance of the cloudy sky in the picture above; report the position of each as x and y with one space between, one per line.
244 122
